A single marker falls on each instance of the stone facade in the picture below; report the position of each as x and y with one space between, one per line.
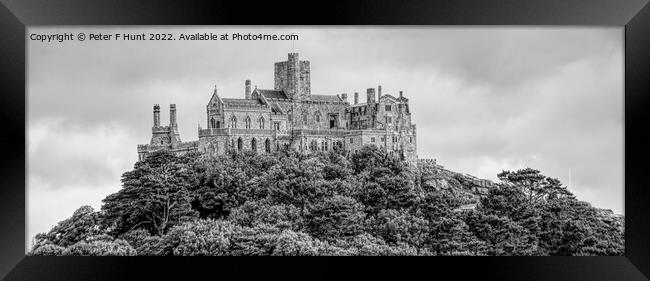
290 117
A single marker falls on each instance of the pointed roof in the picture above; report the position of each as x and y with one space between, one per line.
272 94
215 97
332 98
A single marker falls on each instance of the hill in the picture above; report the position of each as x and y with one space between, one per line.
367 203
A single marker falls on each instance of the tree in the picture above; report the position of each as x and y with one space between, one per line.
116 247
503 236
155 195
199 238
253 213
84 223
336 217
396 226
535 186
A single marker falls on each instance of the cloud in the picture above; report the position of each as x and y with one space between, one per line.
64 155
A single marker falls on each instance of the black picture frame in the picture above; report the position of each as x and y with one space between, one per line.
17 15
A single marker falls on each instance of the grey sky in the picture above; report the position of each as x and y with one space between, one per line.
484 99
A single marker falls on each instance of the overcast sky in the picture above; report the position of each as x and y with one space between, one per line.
485 99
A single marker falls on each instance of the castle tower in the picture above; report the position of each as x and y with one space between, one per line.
293 76
156 115
356 97
172 117
247 93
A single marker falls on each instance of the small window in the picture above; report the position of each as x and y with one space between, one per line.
410 139
372 139
383 138
390 120
388 108
350 140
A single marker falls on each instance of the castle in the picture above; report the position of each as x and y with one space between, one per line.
289 116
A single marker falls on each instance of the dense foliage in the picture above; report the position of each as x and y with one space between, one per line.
328 204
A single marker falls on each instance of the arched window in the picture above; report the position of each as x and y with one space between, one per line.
261 121
240 144
233 122
324 145
313 145
317 116
267 146
254 145
213 124
218 124
248 122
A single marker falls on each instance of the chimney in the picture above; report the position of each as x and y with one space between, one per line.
370 93
379 93
156 115
356 97
172 116
247 94
401 95
344 96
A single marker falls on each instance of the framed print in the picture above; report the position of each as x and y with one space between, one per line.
505 137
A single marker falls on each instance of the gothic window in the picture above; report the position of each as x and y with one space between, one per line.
240 144
324 145
212 123
161 141
304 119
388 108
317 116
351 141
277 125
267 146
261 121
389 120
410 139
314 145
254 145
233 122
248 122
218 124
372 139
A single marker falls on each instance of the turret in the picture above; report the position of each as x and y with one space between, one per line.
401 95
356 97
344 97
156 115
378 92
247 93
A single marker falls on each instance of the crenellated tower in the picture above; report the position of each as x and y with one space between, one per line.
293 77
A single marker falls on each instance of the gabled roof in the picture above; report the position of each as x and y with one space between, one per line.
276 107
325 98
242 101
272 94
215 97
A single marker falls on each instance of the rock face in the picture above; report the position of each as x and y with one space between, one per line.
436 177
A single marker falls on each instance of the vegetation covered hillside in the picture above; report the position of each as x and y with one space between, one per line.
329 204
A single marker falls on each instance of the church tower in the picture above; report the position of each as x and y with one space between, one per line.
293 76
